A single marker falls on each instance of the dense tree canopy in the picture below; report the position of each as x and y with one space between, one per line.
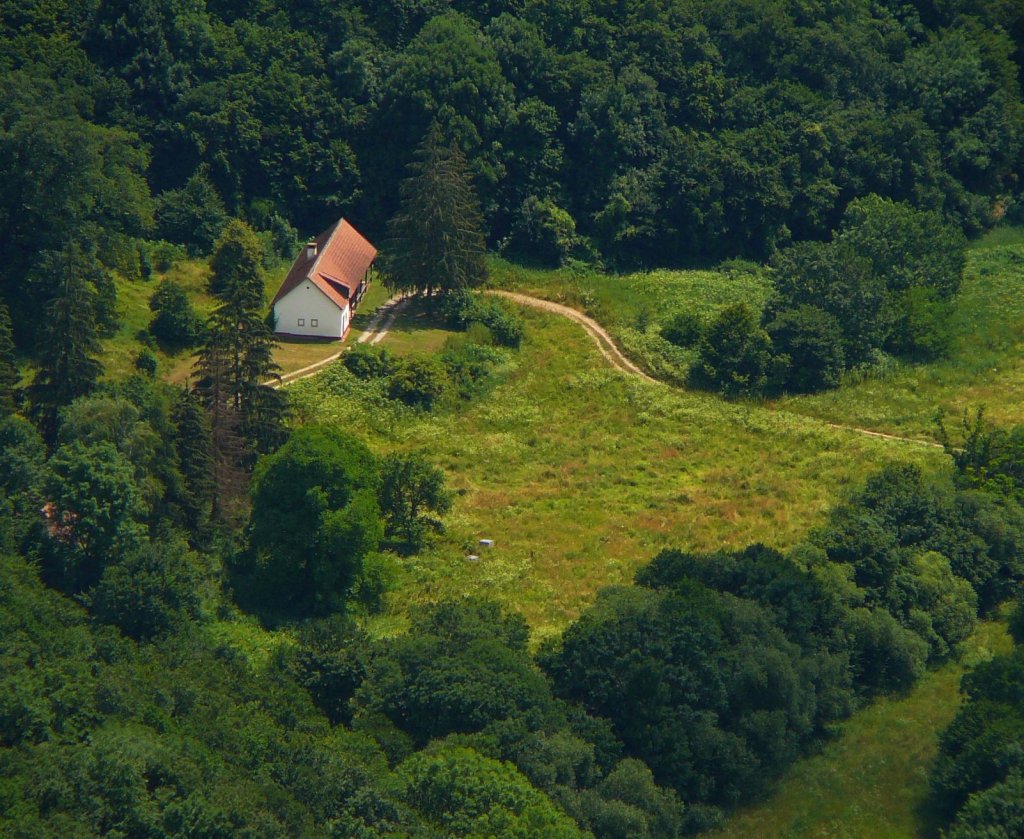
315 517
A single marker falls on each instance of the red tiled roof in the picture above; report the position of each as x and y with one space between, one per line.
342 259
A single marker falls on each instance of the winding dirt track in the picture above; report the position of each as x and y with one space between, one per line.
615 357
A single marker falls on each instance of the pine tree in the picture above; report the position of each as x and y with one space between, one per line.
8 364
68 367
239 348
436 241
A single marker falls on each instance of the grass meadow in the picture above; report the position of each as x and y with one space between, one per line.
581 474
985 365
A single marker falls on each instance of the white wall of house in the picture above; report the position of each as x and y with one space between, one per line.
305 310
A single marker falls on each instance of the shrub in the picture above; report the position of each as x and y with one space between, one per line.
418 381
734 353
683 329
145 362
813 342
460 309
192 216
175 322
369 362
150 592
544 232
165 255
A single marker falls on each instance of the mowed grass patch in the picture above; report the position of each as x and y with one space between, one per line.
418 327
580 474
985 366
872 780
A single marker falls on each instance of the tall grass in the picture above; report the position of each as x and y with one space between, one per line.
581 474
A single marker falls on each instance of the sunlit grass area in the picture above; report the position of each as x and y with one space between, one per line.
985 365
417 328
581 474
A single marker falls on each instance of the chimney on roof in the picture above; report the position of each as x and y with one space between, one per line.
310 249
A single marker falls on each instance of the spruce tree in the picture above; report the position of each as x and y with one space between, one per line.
194 446
68 367
436 241
239 347
8 364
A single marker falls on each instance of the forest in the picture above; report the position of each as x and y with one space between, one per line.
155 533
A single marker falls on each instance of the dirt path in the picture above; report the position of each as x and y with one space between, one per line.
620 362
373 334
594 329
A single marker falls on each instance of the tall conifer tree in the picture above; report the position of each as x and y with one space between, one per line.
436 241
68 366
237 358
194 445
8 364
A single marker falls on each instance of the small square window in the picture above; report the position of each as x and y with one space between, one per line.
302 321
314 322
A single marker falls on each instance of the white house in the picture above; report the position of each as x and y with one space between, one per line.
325 284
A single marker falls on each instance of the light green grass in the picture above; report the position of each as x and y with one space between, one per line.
417 328
581 474
872 780
985 366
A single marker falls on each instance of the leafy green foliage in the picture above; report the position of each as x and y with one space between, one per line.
418 381
543 232
701 686
976 778
410 491
236 359
734 353
314 517
150 592
367 361
9 375
812 345
683 329
462 309
466 794
94 517
68 366
193 216
174 320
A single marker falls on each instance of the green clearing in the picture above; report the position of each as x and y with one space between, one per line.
581 474
872 779
985 366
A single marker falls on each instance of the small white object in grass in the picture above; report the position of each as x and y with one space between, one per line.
473 558
487 543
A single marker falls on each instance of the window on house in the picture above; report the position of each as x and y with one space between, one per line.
314 322
302 321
